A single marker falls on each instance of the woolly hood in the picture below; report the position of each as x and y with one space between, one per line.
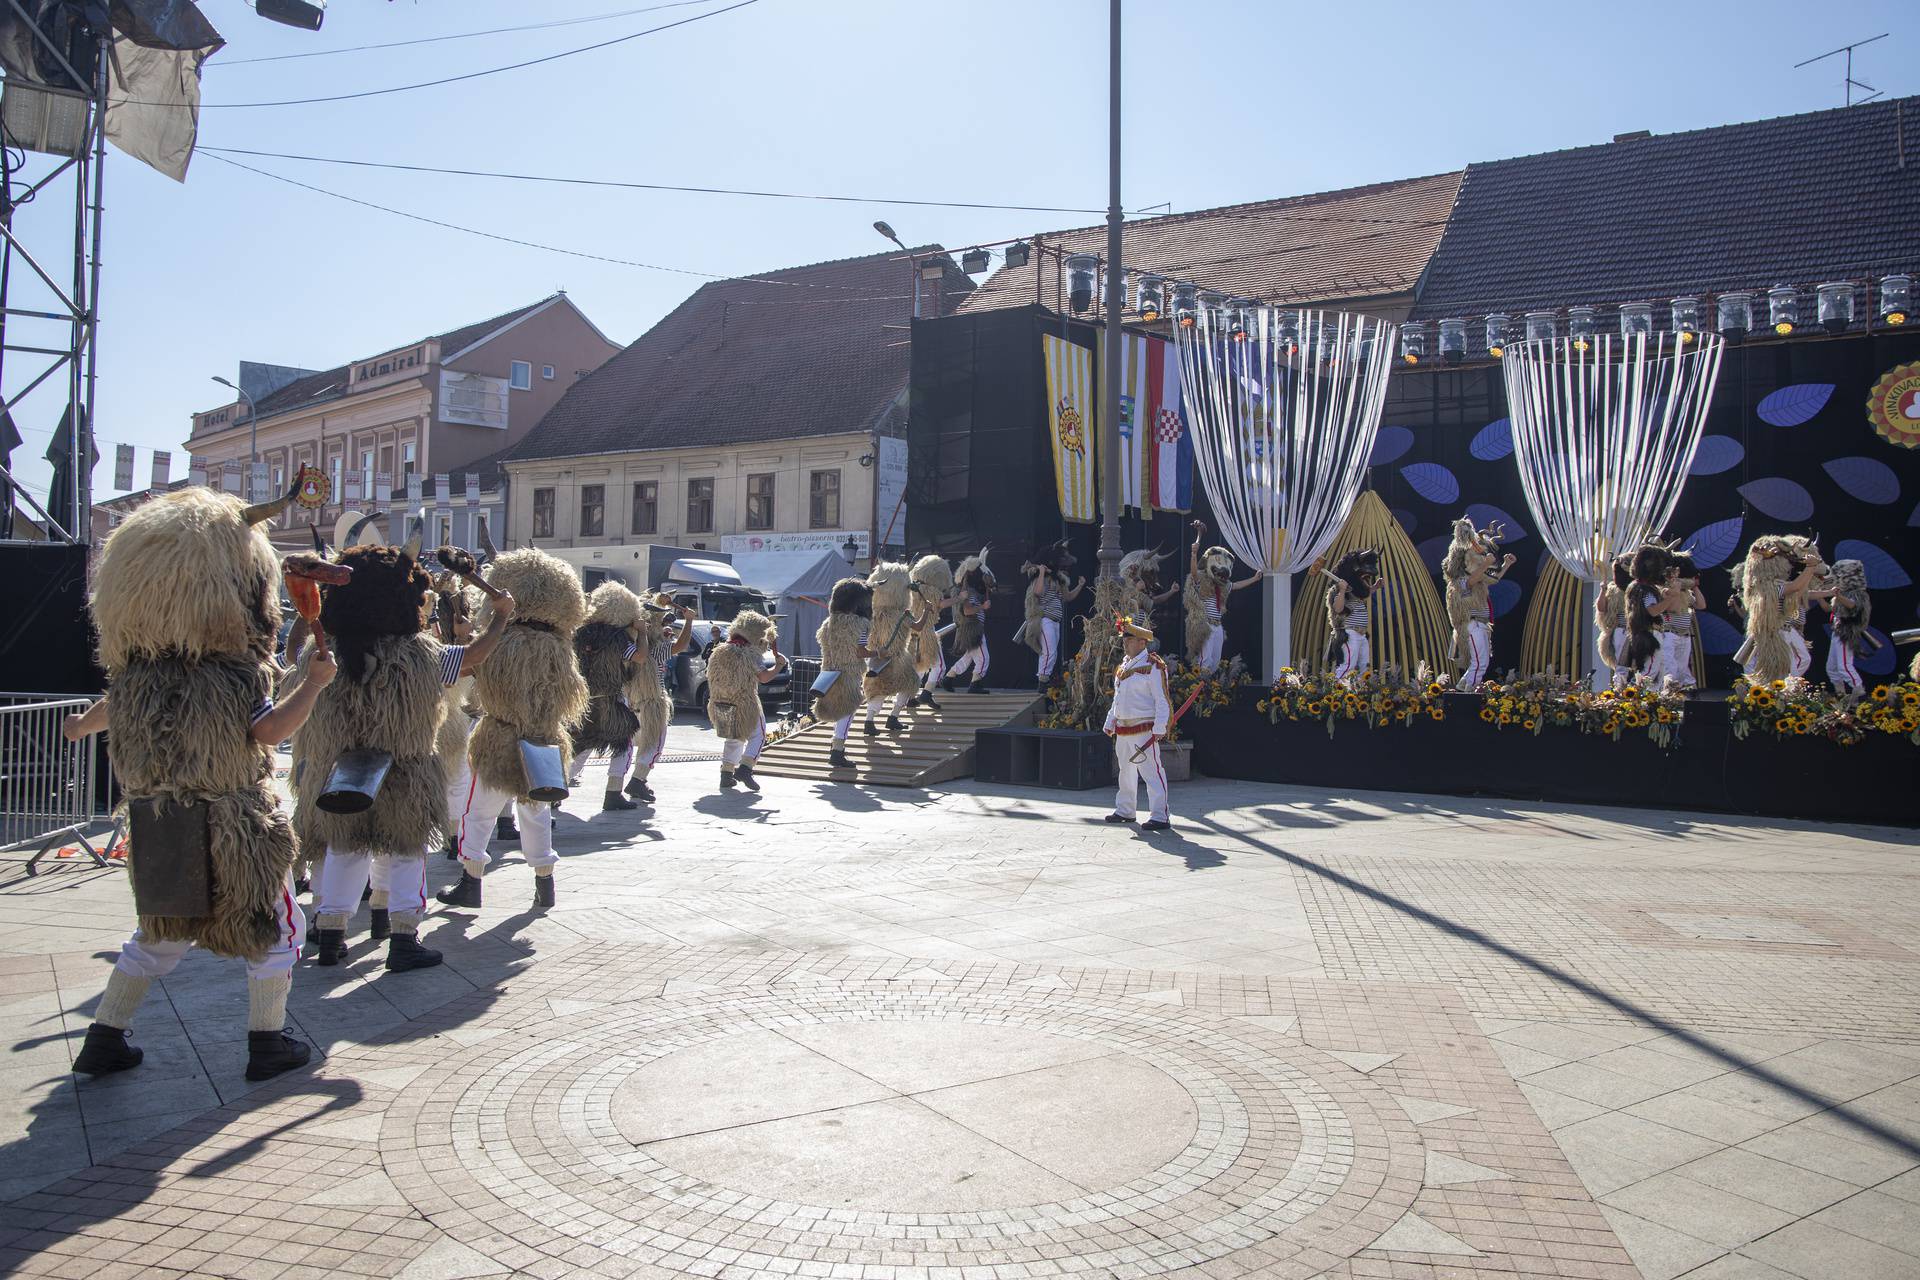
614 604
544 588
750 626
185 574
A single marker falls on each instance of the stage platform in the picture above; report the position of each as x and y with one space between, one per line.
1706 769
937 746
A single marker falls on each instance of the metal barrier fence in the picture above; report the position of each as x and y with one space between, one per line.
47 784
804 671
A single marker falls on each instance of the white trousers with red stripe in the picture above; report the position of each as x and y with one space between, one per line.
1358 657
974 660
475 825
1210 651
346 872
1675 659
618 762
144 957
645 757
1842 673
1049 649
1479 653
1133 772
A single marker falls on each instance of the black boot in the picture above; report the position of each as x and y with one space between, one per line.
947 682
333 945
503 828
871 729
924 698
614 801
301 885
639 790
270 1053
464 894
726 778
896 725
452 851
106 1051
543 893
380 924
366 891
744 775
978 686
405 952
837 758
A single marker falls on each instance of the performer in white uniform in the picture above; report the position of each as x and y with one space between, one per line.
1137 722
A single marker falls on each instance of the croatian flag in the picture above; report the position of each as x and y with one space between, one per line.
1170 454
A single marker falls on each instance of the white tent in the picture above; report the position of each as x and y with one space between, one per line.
800 583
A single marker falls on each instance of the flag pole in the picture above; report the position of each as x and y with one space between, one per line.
1109 450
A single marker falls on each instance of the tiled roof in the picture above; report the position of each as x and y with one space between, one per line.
1365 242
806 351
331 384
1800 199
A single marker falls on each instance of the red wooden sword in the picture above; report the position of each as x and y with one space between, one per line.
1172 720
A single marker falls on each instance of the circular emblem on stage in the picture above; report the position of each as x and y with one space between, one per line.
1072 436
1893 406
311 489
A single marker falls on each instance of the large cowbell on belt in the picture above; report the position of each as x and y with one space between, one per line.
172 863
546 773
355 782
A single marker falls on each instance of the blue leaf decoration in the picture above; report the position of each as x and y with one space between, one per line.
1713 544
1389 444
1493 442
1432 552
1779 497
1502 596
1883 571
1791 406
1867 479
1716 454
1717 635
1913 521
1483 515
1431 481
1406 518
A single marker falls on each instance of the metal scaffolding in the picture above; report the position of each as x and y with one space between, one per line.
49 329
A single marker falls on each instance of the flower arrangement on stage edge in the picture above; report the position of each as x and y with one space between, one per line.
1375 698
1537 703
1216 691
1793 708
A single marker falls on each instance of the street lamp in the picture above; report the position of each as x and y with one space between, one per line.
850 549
253 436
887 231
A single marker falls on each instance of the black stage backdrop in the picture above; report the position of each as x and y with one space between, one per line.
46 640
1788 448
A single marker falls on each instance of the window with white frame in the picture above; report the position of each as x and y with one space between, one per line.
546 372
520 375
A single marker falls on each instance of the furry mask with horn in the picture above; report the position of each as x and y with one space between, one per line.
974 573
261 512
1143 568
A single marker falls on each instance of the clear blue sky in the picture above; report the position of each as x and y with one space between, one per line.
978 100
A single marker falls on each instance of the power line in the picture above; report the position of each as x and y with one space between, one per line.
461 35
645 186
474 75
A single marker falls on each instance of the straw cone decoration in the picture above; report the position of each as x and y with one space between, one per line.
1409 622
1559 624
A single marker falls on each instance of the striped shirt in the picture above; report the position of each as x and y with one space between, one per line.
626 654
262 711
1210 605
1357 616
1679 623
1051 606
450 659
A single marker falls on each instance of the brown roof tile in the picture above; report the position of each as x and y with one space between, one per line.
1364 242
807 351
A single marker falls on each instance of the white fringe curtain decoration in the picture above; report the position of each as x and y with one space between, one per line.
1603 437
1283 422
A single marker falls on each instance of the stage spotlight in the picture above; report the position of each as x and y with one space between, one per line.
1453 341
1686 318
1212 306
1017 253
1080 269
1580 327
1636 318
934 269
37 118
293 13
1239 318
1153 293
1289 323
975 261
1783 309
1835 301
1497 334
1895 292
1542 326
1185 304
1413 343
1735 316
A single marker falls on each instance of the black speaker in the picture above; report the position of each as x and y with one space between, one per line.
293 13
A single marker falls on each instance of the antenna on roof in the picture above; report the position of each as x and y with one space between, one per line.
1849 84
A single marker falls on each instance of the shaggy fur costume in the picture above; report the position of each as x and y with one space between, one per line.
1849 578
387 697
186 604
1358 569
1769 567
1213 580
849 613
1470 551
1612 613
892 584
613 619
529 687
733 676
457 600
1053 561
646 695
1139 584
932 582
972 575
1649 573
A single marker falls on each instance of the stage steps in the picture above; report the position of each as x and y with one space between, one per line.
936 746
